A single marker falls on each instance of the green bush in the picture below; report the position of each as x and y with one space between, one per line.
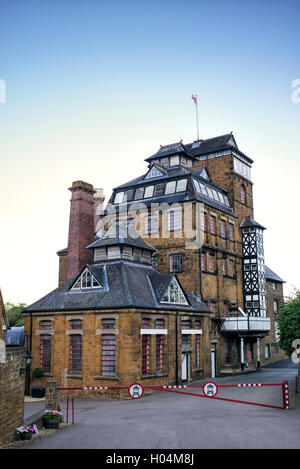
37 372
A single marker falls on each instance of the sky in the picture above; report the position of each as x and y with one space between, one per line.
92 88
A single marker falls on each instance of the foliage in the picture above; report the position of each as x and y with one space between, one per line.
14 314
26 429
52 414
289 322
37 372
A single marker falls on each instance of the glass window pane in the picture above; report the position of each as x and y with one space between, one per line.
170 187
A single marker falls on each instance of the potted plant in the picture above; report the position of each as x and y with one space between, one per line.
52 418
37 390
37 372
25 432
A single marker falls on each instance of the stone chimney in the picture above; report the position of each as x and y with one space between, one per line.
81 228
99 198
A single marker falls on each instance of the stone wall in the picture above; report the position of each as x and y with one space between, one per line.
128 347
11 394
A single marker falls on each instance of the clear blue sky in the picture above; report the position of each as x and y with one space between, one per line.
95 87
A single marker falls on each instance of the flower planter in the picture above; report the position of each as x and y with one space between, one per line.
51 423
38 393
26 435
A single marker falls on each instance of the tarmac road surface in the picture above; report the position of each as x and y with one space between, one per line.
166 420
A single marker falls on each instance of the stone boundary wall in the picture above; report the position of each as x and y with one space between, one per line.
12 386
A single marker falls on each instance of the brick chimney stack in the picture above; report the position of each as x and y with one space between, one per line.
99 198
81 228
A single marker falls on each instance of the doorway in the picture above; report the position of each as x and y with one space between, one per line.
213 360
185 366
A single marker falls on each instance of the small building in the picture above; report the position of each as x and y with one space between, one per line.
120 321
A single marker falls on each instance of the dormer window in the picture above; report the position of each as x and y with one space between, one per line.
86 281
154 173
174 294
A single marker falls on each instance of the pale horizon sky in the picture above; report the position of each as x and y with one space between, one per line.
93 88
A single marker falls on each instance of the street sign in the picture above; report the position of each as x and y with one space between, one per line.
210 389
136 391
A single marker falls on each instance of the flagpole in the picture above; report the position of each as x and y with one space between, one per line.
195 99
197 118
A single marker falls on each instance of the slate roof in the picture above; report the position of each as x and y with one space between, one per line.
200 147
15 337
249 222
167 150
174 173
124 285
270 275
113 241
213 145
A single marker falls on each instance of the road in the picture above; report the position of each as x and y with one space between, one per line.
165 420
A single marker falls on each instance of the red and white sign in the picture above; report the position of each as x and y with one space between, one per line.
210 389
136 391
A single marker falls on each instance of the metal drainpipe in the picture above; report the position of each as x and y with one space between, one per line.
30 350
176 345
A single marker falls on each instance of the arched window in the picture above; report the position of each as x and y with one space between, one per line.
243 194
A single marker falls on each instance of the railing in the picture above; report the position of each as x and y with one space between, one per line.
241 323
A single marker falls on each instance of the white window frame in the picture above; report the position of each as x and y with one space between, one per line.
95 283
148 189
170 187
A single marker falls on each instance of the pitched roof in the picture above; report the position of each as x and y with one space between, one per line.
167 150
115 240
270 275
213 145
124 285
249 222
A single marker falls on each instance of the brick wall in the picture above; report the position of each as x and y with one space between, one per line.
128 348
11 394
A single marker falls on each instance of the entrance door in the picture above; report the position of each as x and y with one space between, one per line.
249 352
213 360
185 366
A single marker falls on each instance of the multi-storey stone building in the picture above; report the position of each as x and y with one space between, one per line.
173 286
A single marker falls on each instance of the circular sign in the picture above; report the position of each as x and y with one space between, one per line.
135 391
210 389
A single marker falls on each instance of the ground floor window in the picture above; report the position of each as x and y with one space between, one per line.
145 355
45 353
75 354
108 355
159 353
197 360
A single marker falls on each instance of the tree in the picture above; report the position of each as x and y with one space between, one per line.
289 322
14 314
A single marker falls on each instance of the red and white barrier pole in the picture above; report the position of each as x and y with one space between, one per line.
67 409
285 395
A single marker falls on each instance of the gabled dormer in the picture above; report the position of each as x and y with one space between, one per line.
86 281
174 294
155 171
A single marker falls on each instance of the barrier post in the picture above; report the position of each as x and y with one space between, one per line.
285 395
67 409
72 410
